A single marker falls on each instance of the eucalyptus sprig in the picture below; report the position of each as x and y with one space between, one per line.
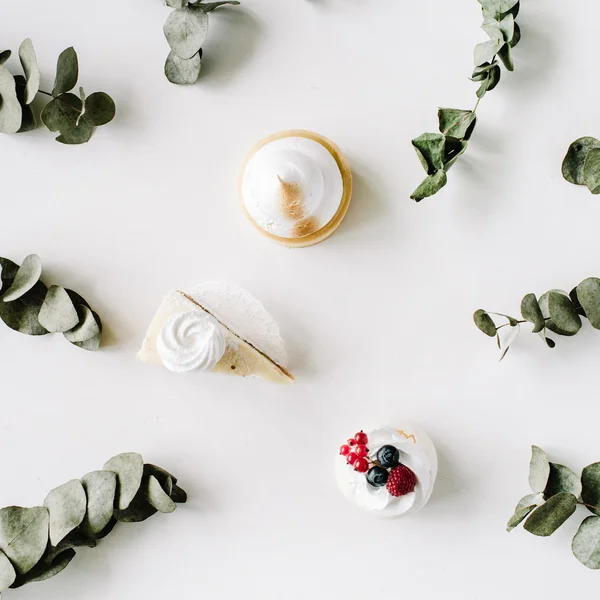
556 311
557 491
38 543
439 151
29 307
74 117
581 164
186 30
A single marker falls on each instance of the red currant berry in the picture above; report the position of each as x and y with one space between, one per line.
361 465
344 450
361 438
351 458
361 451
351 442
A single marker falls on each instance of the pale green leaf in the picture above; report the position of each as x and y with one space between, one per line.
430 150
539 470
590 492
100 488
591 170
586 543
531 311
183 71
547 518
588 296
58 313
497 6
27 276
574 161
564 317
505 55
157 497
519 516
31 70
10 109
66 505
456 123
28 122
186 30
22 314
129 468
486 51
7 572
43 571
562 479
484 322
431 185
87 334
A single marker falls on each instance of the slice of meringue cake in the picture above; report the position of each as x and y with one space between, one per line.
218 328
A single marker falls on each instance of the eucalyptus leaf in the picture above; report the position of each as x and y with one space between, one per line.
547 518
505 55
78 133
484 322
75 539
176 3
453 149
210 6
8 271
22 314
486 51
529 500
588 296
129 468
516 36
88 333
492 27
481 72
23 535
62 112
562 479
28 122
531 311
590 492
58 314
498 6
183 71
586 543
66 505
157 497
100 489
519 516
67 72
164 477
178 495
507 27
456 123
27 276
4 56
591 170
430 150
139 508
43 571
490 82
31 70
99 109
574 161
186 30
10 109
564 317
431 185
7 572
539 470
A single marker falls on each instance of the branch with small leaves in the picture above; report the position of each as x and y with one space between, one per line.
185 30
581 164
74 117
557 491
29 307
439 151
556 311
38 543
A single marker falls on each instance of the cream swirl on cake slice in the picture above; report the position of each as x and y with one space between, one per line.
218 328
389 472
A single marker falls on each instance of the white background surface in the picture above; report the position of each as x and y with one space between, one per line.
377 319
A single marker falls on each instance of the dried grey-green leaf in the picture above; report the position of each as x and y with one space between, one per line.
574 161
66 505
586 543
129 468
186 30
591 170
43 571
430 150
23 535
10 109
519 516
158 497
590 487
562 479
27 276
31 70
588 296
88 330
539 470
183 71
431 185
547 518
100 489
58 313
456 123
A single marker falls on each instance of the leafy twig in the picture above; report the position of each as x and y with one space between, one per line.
439 151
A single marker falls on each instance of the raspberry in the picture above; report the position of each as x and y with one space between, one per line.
401 481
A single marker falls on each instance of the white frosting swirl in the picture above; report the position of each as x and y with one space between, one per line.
191 340
416 452
300 162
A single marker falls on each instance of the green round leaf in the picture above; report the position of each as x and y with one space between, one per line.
486 51
586 543
182 71
78 133
531 311
23 535
10 109
129 468
588 296
100 489
99 109
546 519
519 516
562 479
539 470
31 69
591 170
564 317
573 163
58 314
497 6
62 112
88 333
43 571
590 492
431 185
22 314
27 276
7 572
67 72
176 3
456 123
66 505
484 322
186 30
157 497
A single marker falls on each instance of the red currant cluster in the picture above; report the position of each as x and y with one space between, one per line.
355 450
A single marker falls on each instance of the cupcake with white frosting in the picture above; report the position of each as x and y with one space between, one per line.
389 472
295 187
220 328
